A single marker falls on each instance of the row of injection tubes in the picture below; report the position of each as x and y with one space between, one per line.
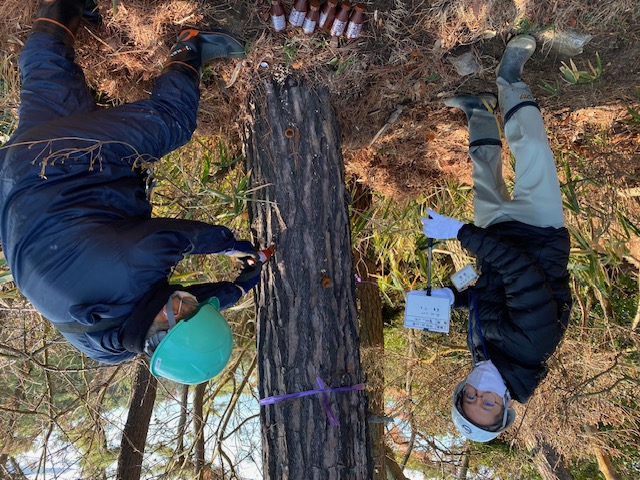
345 19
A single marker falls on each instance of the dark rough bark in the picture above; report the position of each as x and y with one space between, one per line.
372 347
182 425
371 330
549 463
198 426
134 435
306 305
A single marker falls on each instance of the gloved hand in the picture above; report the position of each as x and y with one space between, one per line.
444 293
439 226
242 249
249 275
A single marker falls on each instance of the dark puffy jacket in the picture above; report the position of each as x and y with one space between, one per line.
522 298
83 248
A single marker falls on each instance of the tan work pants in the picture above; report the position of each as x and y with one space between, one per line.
536 199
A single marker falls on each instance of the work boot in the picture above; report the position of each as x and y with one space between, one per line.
518 51
60 18
513 93
470 103
483 128
194 48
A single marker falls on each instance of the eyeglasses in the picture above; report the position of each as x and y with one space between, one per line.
488 399
177 316
186 301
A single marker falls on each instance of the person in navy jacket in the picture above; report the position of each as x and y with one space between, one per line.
75 219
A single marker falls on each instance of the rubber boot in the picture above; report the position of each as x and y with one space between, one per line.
518 51
194 48
483 129
513 93
60 18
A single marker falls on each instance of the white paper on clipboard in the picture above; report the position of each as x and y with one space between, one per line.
426 312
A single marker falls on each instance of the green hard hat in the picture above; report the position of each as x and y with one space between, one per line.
196 349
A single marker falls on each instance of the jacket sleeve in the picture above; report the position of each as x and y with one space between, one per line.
183 236
228 293
525 284
118 262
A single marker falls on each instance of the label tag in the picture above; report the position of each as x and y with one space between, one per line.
427 313
464 277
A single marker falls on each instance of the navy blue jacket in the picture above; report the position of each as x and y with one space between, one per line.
76 226
522 299
82 247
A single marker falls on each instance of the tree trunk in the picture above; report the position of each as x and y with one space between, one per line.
463 468
198 429
372 345
182 425
134 435
371 330
306 305
550 464
394 471
605 465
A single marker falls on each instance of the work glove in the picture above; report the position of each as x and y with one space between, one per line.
242 249
444 293
439 226
249 275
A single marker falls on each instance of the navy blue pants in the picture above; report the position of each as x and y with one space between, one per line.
56 103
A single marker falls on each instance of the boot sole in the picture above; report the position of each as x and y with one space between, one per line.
233 47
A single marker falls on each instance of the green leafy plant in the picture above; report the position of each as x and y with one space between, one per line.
340 65
431 78
290 52
573 75
524 25
5 275
552 89
391 234
635 116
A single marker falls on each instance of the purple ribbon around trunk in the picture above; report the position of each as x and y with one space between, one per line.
322 391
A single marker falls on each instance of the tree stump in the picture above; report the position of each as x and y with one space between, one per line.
306 303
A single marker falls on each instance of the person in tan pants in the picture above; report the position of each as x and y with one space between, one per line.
519 307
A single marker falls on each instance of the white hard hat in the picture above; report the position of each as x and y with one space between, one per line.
469 429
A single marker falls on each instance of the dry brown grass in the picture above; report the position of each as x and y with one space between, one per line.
587 385
400 62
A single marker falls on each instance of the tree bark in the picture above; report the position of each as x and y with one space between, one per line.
306 305
182 425
463 468
371 331
198 429
372 343
548 461
134 435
